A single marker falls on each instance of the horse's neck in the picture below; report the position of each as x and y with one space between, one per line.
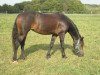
73 31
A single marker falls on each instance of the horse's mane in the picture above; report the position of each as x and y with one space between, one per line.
73 30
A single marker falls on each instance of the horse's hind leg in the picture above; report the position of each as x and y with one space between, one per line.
62 36
51 45
22 39
22 43
15 47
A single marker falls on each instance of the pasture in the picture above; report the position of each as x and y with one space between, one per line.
37 45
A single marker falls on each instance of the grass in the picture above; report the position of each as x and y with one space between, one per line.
37 45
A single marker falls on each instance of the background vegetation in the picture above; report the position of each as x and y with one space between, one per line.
37 45
67 6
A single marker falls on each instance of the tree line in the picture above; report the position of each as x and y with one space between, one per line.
67 6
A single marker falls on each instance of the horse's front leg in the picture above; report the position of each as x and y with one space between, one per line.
51 45
62 36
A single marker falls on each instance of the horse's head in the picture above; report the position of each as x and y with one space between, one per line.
78 46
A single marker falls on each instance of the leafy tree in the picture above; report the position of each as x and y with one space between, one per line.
52 5
4 8
68 6
71 6
0 9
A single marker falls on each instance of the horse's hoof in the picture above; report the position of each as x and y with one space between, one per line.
48 56
22 57
15 62
64 56
80 55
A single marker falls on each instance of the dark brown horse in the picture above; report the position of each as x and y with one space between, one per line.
55 24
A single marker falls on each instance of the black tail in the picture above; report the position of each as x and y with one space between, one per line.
14 34
15 41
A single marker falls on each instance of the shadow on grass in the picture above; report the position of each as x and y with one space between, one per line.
45 47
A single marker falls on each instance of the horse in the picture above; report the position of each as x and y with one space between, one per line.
55 24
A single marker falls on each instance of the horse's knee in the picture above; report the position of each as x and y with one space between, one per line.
20 37
15 44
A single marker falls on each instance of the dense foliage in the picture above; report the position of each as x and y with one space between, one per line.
67 6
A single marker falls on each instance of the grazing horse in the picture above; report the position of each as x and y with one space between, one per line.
55 24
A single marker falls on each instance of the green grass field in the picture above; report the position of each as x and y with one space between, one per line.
37 45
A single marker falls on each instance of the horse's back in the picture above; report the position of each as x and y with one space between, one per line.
51 23
43 23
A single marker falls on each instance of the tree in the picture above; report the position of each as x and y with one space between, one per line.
4 8
68 6
0 9
52 5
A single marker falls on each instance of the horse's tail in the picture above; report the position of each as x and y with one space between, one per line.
14 32
15 40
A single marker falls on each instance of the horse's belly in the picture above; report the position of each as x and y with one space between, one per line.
40 30
47 28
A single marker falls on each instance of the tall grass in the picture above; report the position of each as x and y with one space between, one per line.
37 45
